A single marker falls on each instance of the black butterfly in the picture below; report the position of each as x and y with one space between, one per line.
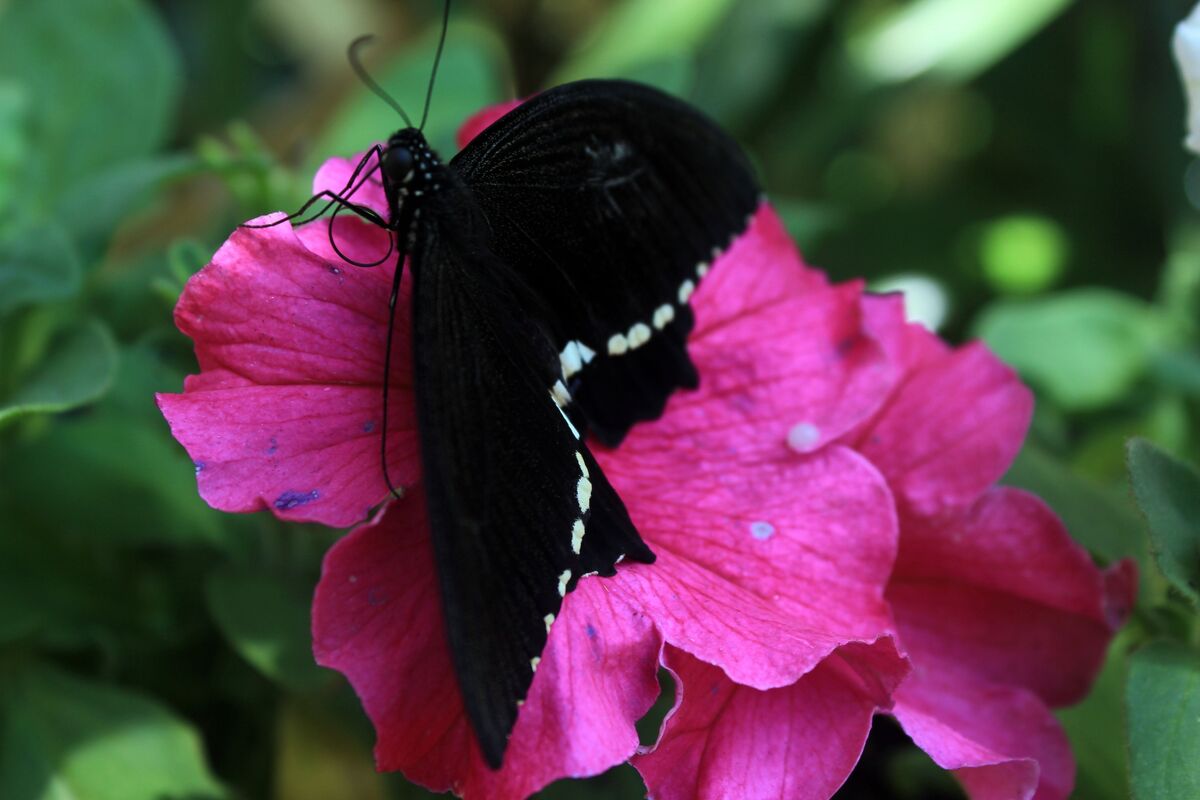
552 261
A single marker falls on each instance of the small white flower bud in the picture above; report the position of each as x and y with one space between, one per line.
1187 53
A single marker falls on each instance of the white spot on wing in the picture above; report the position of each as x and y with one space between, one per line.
583 470
663 315
563 579
583 493
618 345
560 394
549 620
577 537
570 359
639 334
566 419
685 291
701 269
533 663
586 353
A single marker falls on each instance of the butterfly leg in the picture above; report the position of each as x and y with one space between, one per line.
353 184
387 369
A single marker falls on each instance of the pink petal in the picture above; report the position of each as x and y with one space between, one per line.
1002 594
264 447
287 411
781 354
907 345
377 618
480 121
798 370
760 269
337 175
799 741
951 430
276 312
1001 742
765 565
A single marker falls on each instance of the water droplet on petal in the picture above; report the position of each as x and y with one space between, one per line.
762 530
804 437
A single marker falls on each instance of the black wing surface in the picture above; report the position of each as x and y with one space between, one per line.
611 200
518 508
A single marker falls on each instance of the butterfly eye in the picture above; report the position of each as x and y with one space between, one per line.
398 164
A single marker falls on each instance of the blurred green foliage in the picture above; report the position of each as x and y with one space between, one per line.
1016 166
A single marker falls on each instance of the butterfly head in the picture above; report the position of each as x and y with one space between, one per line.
410 169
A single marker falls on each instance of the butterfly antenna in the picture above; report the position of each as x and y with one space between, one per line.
368 81
437 59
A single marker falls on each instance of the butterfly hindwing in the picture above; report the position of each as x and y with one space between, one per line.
611 199
518 508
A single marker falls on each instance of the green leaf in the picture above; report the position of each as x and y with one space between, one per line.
20 616
78 370
620 781
1164 721
912 774
954 39
38 264
70 739
745 60
77 589
807 222
14 139
267 621
1178 370
1084 348
107 94
1092 727
642 32
1168 492
468 80
1098 449
318 758
98 203
674 75
1179 290
1023 253
130 482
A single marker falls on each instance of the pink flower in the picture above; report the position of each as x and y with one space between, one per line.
824 490
1001 613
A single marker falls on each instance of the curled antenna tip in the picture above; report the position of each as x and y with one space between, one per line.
368 81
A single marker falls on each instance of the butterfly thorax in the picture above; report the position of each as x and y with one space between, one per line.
411 171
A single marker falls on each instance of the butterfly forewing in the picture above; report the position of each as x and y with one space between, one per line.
518 509
611 200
